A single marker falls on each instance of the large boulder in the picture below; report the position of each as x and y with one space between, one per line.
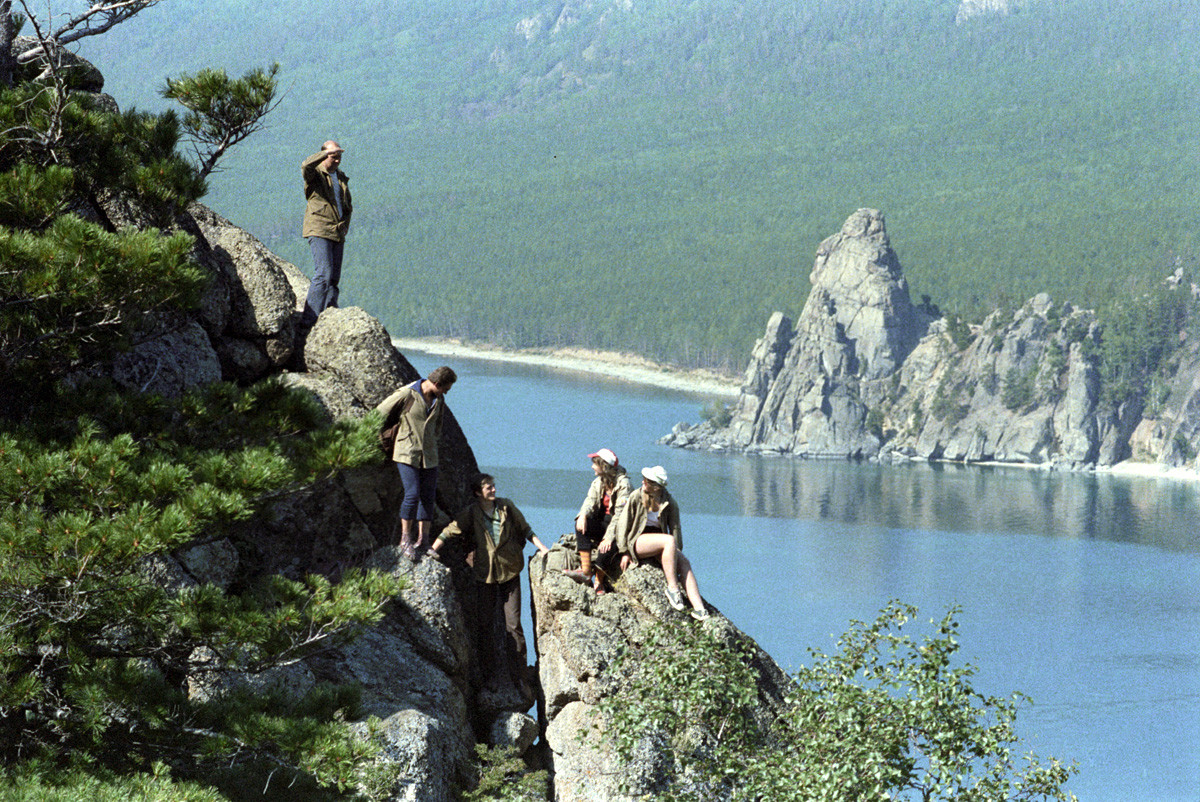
579 636
171 355
354 348
259 331
36 60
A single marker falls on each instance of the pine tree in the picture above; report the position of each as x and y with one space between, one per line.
222 111
96 485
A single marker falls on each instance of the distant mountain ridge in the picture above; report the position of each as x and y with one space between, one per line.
494 52
640 143
560 48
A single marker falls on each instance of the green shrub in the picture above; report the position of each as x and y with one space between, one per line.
503 774
95 660
1018 388
718 413
888 716
959 332
875 420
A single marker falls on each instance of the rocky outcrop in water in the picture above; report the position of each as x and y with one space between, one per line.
863 373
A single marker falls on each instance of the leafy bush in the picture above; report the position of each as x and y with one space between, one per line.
155 786
503 774
94 658
959 331
946 405
874 422
887 716
1018 388
718 413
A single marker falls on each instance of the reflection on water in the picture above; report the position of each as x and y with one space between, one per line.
947 498
1154 512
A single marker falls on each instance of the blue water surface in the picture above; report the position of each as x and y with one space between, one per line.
1081 591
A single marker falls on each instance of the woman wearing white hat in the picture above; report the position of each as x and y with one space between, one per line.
605 499
648 527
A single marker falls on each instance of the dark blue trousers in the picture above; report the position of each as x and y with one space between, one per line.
327 271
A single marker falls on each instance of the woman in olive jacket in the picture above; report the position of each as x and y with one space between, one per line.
602 506
418 407
649 527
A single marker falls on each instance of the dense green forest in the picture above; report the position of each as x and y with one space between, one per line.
656 176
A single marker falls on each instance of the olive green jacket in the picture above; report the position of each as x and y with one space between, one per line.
494 562
320 216
632 522
595 498
420 430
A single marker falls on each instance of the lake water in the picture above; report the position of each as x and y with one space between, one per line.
1081 591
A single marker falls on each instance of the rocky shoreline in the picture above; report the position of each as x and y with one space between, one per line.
610 364
864 373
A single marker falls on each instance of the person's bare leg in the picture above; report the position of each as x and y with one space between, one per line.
690 586
425 533
406 543
663 547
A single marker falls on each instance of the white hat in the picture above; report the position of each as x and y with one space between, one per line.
657 474
606 455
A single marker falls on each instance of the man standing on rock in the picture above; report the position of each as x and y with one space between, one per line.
497 532
326 223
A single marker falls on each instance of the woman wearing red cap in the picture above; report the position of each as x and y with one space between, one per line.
605 499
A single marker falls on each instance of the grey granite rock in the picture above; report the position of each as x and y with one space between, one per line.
865 374
579 636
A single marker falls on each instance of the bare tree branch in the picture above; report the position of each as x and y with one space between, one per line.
99 18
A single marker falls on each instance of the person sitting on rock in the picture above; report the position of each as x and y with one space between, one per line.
497 532
648 527
605 499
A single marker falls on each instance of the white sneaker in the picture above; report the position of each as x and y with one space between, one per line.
701 614
674 598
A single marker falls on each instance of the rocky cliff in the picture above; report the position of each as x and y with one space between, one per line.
863 373
417 667
579 637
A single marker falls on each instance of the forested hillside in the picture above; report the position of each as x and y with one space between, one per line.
655 176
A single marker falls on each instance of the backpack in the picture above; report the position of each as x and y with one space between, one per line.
391 427
562 555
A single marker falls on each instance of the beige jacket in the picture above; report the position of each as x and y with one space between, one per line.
632 522
320 215
420 429
494 562
595 498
